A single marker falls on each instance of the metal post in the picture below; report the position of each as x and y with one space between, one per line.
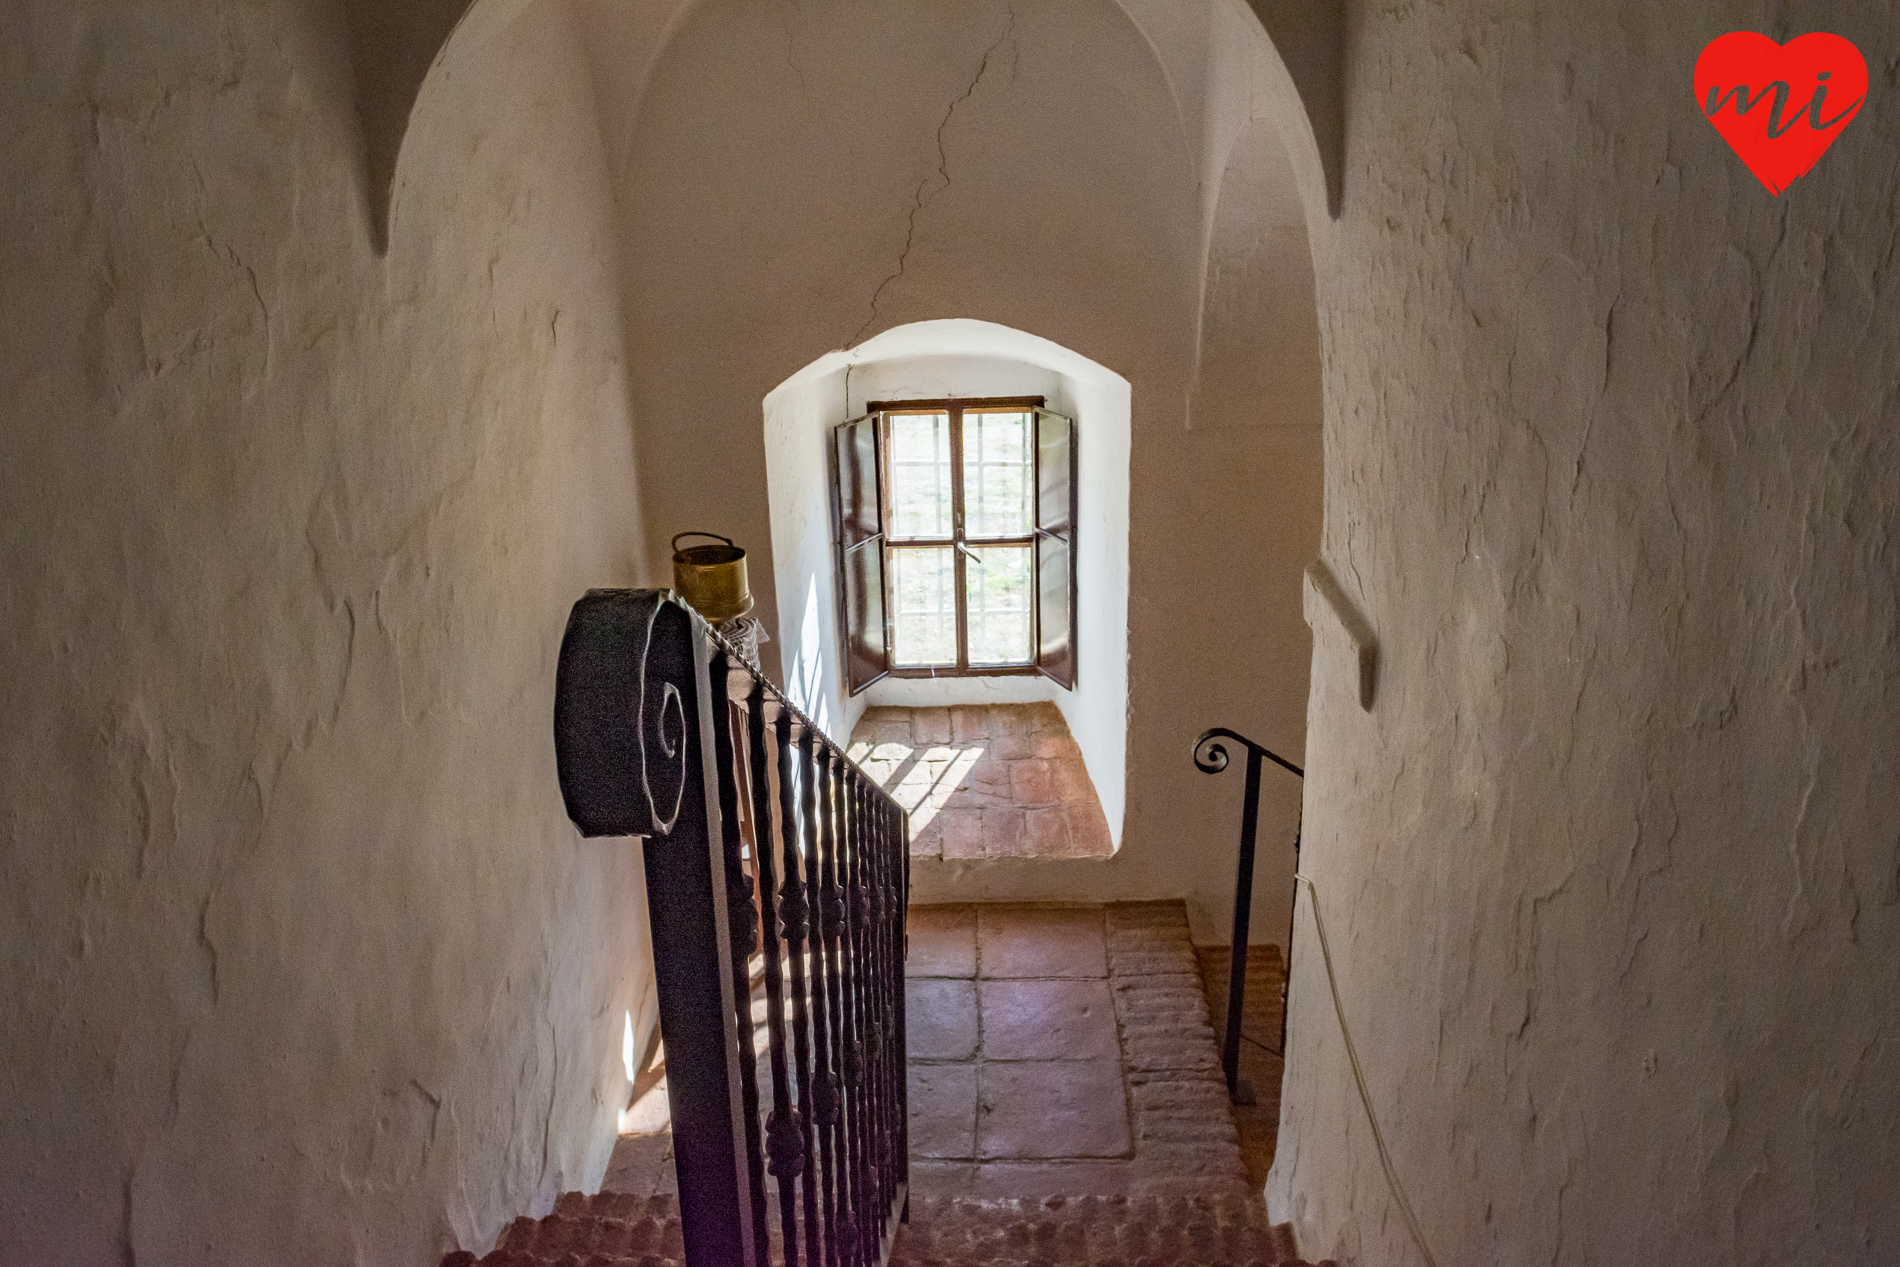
634 738
644 745
1241 1092
686 909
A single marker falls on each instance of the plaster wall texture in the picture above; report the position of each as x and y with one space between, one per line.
799 416
1258 363
799 181
1609 872
302 961
900 364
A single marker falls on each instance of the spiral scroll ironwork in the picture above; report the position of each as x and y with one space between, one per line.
670 741
1209 743
620 733
763 839
1210 755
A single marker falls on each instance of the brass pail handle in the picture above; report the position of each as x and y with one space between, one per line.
715 536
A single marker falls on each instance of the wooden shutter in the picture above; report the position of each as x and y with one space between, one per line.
859 513
1055 548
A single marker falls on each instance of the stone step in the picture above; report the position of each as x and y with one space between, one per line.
1181 1198
1222 1230
1225 1230
608 1229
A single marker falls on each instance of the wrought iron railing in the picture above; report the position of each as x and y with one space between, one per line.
1213 762
755 823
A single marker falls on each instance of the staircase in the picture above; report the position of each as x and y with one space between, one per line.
1227 1230
1059 1101
1180 1195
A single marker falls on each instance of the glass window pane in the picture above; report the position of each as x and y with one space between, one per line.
997 588
998 474
924 615
920 475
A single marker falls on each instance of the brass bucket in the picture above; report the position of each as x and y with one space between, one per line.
711 579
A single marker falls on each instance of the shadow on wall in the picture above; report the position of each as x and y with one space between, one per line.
934 359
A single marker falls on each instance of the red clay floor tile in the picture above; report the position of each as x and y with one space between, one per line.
1063 1019
931 725
940 1018
1032 781
1052 1108
961 832
943 1111
973 777
940 1178
1048 829
1004 834
1041 942
942 942
1035 1180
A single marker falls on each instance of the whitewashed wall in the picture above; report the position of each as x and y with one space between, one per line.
300 960
1610 870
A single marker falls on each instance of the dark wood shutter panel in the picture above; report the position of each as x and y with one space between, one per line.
860 525
1055 548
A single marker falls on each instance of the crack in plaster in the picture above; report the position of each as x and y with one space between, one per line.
918 200
1802 914
209 947
128 1251
175 1084
1890 890
554 1078
229 255
791 48
1603 391
156 786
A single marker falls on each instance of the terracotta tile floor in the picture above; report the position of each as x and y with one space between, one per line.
1054 1051
985 781
1061 1050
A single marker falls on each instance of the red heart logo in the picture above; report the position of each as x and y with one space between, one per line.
1780 105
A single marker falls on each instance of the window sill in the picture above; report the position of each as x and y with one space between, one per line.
1001 670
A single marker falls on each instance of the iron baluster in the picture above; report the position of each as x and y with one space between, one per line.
849 1102
874 1002
817 1225
825 995
880 973
889 1067
781 1127
794 916
743 925
1213 763
899 855
857 1075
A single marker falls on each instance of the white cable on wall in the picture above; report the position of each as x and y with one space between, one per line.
1359 1077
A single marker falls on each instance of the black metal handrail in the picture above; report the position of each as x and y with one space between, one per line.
1214 762
761 836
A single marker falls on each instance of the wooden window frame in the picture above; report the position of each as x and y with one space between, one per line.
959 542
